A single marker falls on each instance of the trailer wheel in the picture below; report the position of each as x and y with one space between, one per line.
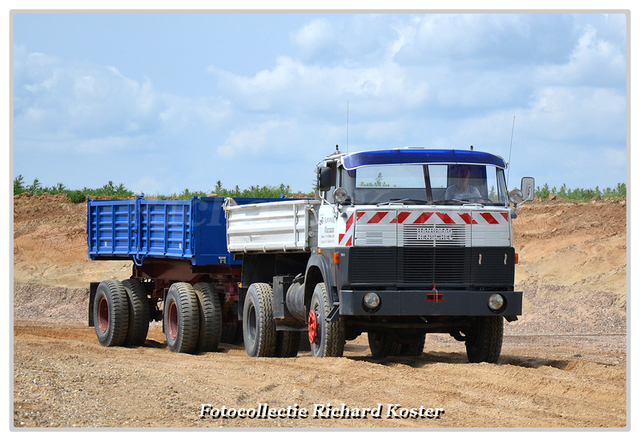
414 348
138 312
326 338
210 317
111 313
484 340
258 325
181 318
287 343
382 344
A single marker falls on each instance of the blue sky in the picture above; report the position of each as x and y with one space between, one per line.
163 102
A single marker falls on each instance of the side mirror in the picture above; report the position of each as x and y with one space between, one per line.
527 186
324 178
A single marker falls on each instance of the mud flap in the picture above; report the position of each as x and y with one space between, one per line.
93 287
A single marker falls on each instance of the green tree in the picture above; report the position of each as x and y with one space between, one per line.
18 185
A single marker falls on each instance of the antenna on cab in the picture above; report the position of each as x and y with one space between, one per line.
347 126
510 144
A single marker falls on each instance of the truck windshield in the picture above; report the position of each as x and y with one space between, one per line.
449 184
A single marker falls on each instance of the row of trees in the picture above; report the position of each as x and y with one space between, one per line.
77 196
268 191
582 194
120 192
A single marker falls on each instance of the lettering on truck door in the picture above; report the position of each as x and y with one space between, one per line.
327 226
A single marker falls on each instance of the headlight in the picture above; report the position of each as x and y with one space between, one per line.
515 196
371 301
496 302
340 195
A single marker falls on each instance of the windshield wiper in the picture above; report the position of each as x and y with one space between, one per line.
458 201
400 201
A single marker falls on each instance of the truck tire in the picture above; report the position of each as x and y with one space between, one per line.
326 338
181 318
287 343
484 340
138 312
210 317
111 313
382 344
414 348
258 324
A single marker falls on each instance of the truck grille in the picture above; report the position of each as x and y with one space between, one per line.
431 265
424 266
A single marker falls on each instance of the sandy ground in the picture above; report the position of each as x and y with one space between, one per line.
563 364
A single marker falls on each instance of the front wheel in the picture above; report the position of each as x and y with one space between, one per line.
484 340
326 338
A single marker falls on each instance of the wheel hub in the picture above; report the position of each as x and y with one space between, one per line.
103 314
173 320
313 326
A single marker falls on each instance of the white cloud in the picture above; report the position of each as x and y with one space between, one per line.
180 114
578 115
292 87
315 36
257 141
55 96
593 62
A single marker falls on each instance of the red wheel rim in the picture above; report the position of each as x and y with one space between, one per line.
103 314
313 326
173 320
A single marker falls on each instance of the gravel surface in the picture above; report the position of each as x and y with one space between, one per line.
563 363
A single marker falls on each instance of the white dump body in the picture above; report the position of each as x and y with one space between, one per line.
290 225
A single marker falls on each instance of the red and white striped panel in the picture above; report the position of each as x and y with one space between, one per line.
419 217
432 217
346 239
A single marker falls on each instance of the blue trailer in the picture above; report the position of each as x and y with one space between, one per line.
182 272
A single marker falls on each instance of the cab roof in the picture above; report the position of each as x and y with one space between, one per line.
420 156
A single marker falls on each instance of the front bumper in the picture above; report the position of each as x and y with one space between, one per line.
429 303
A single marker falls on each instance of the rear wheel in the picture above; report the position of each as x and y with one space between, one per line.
258 325
382 344
326 338
484 340
413 348
111 313
287 343
181 317
138 312
210 317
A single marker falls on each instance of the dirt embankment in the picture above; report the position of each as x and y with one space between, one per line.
563 362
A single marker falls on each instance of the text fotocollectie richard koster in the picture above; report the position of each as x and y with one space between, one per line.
321 411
